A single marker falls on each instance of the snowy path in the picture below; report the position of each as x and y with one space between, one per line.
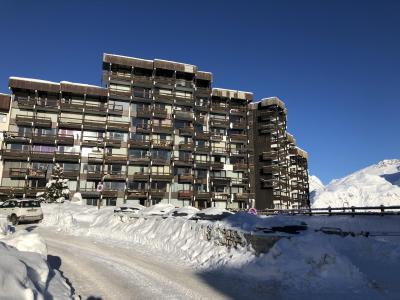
100 270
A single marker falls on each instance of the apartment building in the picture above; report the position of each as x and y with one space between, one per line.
281 172
5 101
154 131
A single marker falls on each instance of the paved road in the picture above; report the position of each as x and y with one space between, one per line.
103 271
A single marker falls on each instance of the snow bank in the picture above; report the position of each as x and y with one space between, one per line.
24 272
310 263
373 186
3 225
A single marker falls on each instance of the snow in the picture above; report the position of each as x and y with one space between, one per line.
81 84
310 264
158 209
315 183
24 272
33 80
371 186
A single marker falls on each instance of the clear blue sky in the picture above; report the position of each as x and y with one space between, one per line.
336 64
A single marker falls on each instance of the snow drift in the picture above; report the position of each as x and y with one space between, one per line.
24 272
375 185
296 267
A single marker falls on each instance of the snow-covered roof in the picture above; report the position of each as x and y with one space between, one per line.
81 84
33 80
127 57
272 101
220 92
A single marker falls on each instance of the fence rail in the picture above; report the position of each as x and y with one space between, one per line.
335 211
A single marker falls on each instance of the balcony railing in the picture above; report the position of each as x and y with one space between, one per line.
137 80
238 137
202 135
217 165
163 128
138 160
95 159
219 150
202 149
219 123
141 176
202 164
120 76
161 176
184 115
33 121
183 194
13 154
202 195
114 176
162 144
16 137
32 191
12 190
41 156
139 143
186 131
113 142
144 113
115 158
121 92
161 113
157 193
243 196
183 146
220 108
216 196
70 123
136 194
71 174
183 161
185 178
157 160
44 139
65 139
34 173
118 125
94 175
240 167
26 103
18 172
67 156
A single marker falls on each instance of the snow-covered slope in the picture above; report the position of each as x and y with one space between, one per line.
378 184
315 183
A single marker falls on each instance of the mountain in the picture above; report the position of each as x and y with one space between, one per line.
378 184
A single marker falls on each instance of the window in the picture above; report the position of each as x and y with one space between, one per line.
3 118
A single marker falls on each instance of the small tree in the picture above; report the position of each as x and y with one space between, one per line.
57 188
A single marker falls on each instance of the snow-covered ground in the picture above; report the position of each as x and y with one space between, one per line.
375 185
24 272
310 264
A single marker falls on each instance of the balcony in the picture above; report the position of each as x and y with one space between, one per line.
141 176
219 123
25 103
115 159
240 167
163 128
110 193
219 151
238 137
239 125
33 121
184 83
95 158
216 196
186 101
183 146
67 156
243 196
268 155
90 141
118 126
34 173
220 179
239 181
94 175
202 164
120 92
16 137
219 108
216 137
142 80
217 165
202 195
17 173
44 104
188 178
120 76
186 131
184 115
238 110
71 174
142 128
12 190
136 194
200 120
162 161
70 123
271 170
202 149
98 109
139 160
160 113
65 139
115 109
184 194
183 161
94 125
139 144
206 91
162 80
112 142
114 176
44 139
164 97
157 194
89 192
144 113
202 135
42 156
32 191
162 144
162 176
201 181
13 154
